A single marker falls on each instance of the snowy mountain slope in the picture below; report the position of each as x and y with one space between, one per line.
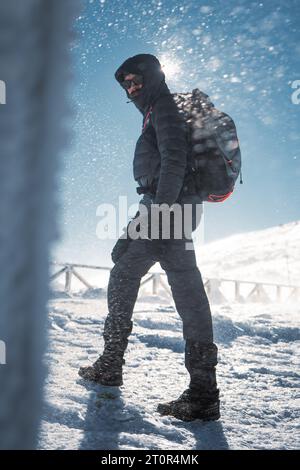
269 255
258 376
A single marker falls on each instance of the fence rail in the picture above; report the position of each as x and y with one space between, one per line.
213 286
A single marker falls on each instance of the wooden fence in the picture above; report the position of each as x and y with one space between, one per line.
259 291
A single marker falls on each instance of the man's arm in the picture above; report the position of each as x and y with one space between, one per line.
172 145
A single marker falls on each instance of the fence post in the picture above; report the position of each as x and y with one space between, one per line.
68 278
237 293
279 293
156 278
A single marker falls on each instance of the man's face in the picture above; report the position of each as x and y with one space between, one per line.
134 89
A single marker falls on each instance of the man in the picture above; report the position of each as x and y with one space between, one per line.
160 168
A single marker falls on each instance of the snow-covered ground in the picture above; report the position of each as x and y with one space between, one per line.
258 372
258 377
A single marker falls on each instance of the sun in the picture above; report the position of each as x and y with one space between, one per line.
171 67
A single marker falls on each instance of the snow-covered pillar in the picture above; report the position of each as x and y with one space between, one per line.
34 54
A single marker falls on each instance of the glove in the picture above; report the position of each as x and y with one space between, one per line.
122 244
120 248
158 246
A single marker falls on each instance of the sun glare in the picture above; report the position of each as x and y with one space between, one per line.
171 67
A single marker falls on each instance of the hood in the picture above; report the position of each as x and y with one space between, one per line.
154 79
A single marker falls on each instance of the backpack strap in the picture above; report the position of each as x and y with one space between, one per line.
147 117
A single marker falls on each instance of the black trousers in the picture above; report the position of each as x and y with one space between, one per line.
183 276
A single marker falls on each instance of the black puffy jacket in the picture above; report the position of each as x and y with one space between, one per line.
160 158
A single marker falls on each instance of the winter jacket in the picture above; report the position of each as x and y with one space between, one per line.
160 157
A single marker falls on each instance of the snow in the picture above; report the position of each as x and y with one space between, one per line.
269 255
258 376
258 371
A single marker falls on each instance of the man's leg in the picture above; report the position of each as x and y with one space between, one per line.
201 398
123 287
188 291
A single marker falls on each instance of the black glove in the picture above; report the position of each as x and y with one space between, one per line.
120 248
122 244
158 246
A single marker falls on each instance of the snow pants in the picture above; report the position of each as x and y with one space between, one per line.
184 279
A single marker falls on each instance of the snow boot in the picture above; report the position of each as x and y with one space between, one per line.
201 399
107 370
190 406
104 372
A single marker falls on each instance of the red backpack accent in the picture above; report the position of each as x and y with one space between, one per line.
147 117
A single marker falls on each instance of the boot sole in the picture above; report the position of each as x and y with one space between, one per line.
163 410
101 381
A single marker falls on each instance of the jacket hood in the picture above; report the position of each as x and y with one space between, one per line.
154 84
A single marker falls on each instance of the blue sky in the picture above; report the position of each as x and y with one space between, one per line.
244 54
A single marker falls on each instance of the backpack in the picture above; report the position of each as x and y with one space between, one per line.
214 157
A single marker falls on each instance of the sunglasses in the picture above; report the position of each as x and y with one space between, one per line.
137 80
